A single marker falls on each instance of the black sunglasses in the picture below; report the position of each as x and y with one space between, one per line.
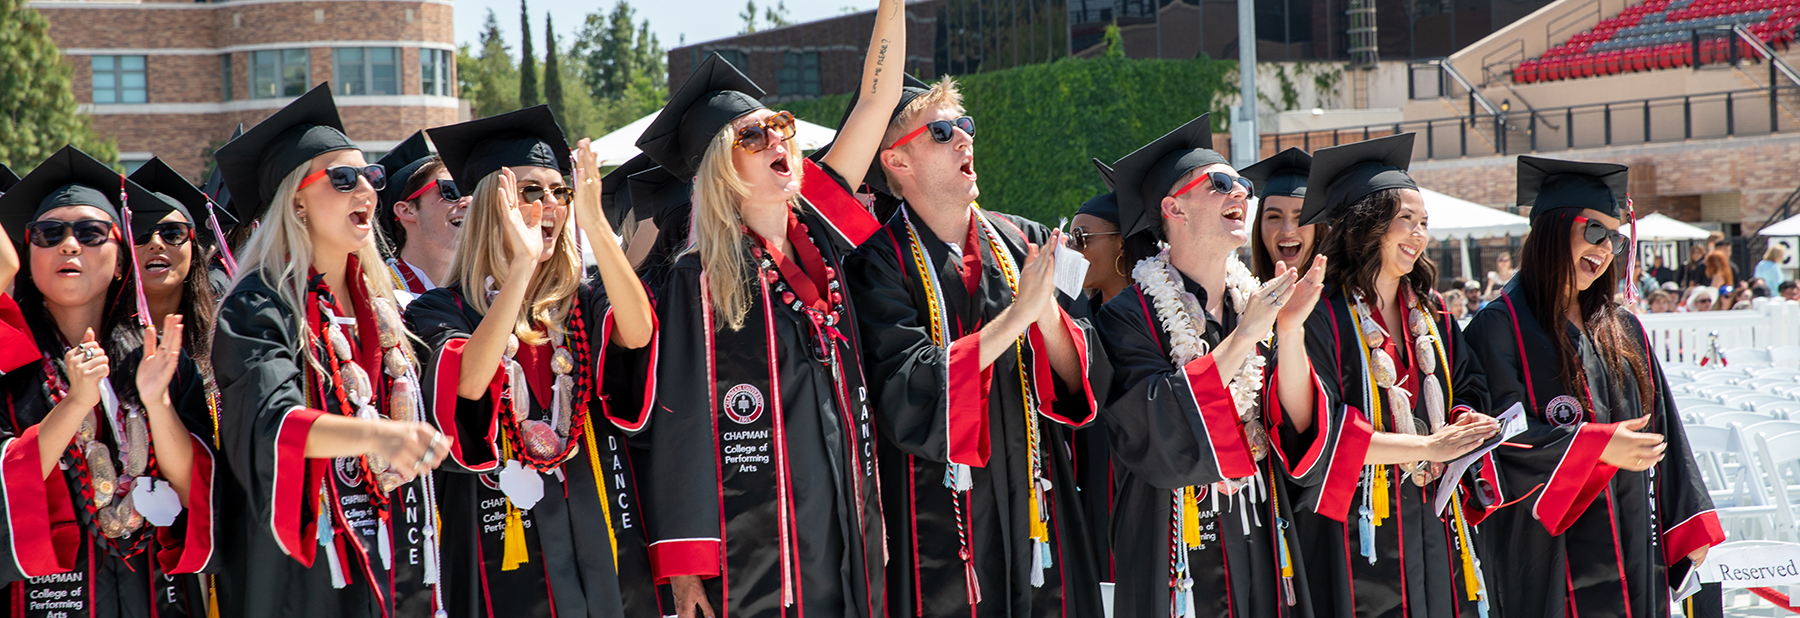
343 177
1597 234
1221 182
1078 237
50 233
173 233
446 189
941 131
532 193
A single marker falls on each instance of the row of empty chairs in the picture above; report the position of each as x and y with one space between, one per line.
1659 35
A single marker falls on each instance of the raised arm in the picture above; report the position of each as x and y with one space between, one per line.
860 137
632 320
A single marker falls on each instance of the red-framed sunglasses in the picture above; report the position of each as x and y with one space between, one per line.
343 177
941 131
446 189
1221 182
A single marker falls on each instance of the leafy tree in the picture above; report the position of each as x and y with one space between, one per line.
553 90
38 112
613 48
489 80
1115 42
776 16
528 71
749 17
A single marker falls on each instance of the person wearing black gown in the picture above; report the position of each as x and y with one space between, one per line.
1201 516
1277 235
978 373
1613 512
763 498
1394 392
173 253
421 215
334 510
535 523
109 473
1094 231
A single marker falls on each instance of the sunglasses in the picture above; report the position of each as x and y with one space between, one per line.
88 232
1598 235
533 193
173 233
759 137
446 189
1221 182
941 131
343 177
1078 237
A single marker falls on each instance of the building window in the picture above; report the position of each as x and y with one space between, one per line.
225 75
434 71
119 79
132 165
738 58
367 70
799 75
279 73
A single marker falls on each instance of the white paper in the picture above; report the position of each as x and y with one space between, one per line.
156 501
1071 270
1512 423
523 485
1751 564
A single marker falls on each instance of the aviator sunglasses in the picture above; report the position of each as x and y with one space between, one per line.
941 131
759 137
343 177
1598 235
533 193
173 233
1221 182
50 233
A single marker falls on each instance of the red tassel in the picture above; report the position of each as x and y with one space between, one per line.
1631 261
137 278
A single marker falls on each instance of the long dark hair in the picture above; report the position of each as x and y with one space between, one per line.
199 307
1552 272
1262 262
118 334
1354 250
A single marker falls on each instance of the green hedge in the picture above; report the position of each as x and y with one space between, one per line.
1039 124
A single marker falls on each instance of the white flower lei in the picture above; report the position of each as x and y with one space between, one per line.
1178 311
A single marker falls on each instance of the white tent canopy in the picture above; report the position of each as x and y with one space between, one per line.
1785 227
1454 217
619 146
1658 226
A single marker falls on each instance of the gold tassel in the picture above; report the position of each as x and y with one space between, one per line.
1472 584
1038 530
1190 518
1380 496
212 596
516 554
600 486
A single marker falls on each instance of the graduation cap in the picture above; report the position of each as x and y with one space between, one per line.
716 94
615 198
172 193
72 178
1341 175
1144 177
256 162
7 179
528 137
1555 184
221 209
401 163
664 196
1105 205
910 88
1283 174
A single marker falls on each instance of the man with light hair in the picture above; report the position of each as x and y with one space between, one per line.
978 376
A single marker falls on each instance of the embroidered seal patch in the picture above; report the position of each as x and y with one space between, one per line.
1563 411
743 404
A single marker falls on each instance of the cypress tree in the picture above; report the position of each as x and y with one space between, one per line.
553 92
528 73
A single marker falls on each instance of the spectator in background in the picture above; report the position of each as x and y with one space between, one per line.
1456 304
1719 273
1700 298
1662 272
1458 283
1502 273
1695 271
1738 299
1789 290
1660 302
1769 269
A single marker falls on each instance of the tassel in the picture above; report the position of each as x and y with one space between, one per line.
1049 557
516 553
971 583
1037 563
331 554
1190 518
1631 258
431 555
1470 583
1039 533
212 596
1380 494
1365 528
956 476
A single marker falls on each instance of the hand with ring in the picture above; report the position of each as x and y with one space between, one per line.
86 365
411 447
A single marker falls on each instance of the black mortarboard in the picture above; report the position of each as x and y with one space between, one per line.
1144 177
221 196
664 196
173 193
1105 205
716 94
255 163
1341 175
401 163
1555 184
528 137
910 88
68 178
615 196
7 179
1283 174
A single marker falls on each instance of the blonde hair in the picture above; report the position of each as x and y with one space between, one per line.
943 94
1775 253
281 250
482 253
718 230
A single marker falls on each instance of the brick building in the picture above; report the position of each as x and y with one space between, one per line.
173 78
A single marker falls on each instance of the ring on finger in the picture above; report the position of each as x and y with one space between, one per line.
87 352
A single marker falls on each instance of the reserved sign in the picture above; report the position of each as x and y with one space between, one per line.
1752 564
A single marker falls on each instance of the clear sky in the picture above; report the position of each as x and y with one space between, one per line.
698 20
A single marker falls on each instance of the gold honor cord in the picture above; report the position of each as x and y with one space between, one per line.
600 487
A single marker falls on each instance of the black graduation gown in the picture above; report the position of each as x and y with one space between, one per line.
1418 570
934 409
733 409
1177 427
1096 479
570 571
269 520
55 561
1588 524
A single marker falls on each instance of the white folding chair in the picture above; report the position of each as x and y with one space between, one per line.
1747 356
1770 427
1707 411
1786 408
1760 382
1686 402
1749 401
1720 392
1721 376
1744 419
1778 451
1787 356
1776 372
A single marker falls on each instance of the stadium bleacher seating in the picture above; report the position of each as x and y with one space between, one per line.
1659 34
